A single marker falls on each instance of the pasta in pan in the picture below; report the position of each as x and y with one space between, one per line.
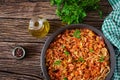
77 54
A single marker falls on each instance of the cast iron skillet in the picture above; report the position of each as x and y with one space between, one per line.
74 26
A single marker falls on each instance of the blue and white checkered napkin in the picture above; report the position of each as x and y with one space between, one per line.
111 30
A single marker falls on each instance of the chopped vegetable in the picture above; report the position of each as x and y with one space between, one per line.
76 33
66 52
101 14
81 59
63 46
74 11
57 62
101 59
91 50
65 78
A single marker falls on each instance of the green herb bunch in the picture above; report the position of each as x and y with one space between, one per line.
74 11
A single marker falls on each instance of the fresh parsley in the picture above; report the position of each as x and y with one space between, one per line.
74 11
91 50
81 59
63 46
101 59
57 62
76 33
66 53
65 78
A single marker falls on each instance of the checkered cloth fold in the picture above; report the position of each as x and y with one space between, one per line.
111 30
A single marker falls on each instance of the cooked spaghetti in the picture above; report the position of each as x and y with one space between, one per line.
78 54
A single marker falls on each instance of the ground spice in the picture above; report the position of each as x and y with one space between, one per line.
18 52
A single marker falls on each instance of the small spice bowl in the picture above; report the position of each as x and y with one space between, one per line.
18 52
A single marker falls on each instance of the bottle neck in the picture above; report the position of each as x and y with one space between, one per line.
36 23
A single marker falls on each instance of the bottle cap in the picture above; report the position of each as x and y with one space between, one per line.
36 23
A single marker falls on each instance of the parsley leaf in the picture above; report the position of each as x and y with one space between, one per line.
66 52
74 11
101 14
57 62
81 59
91 50
63 46
101 59
65 78
76 33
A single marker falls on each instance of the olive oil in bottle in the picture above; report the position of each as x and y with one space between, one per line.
38 27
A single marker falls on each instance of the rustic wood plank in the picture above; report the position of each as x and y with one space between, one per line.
16 30
28 67
5 75
21 1
33 49
28 9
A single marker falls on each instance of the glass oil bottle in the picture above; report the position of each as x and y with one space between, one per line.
38 27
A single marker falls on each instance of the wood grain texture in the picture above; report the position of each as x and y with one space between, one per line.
14 20
21 10
17 30
28 67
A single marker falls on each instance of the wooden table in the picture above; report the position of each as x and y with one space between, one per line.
14 19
